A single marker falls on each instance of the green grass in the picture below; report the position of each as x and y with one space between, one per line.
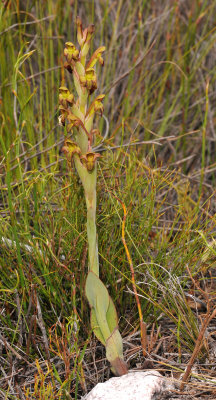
159 62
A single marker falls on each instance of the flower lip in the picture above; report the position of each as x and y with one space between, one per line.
65 97
89 160
70 148
63 89
89 80
69 45
71 52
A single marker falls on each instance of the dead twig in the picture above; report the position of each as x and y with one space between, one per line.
42 328
210 315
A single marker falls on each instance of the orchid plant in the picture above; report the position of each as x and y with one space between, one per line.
77 116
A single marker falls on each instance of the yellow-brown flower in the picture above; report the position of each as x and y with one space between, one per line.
89 160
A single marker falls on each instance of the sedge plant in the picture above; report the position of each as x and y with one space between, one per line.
77 116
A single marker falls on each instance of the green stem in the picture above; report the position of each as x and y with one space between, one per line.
92 232
89 183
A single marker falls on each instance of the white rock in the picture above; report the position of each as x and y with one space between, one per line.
133 386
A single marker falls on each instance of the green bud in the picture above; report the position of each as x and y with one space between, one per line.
87 35
96 105
79 31
96 57
90 31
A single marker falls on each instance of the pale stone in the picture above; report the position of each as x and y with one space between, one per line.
146 385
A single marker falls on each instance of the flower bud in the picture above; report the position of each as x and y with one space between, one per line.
87 35
96 57
96 105
90 31
79 31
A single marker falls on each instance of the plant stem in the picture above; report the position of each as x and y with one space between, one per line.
91 228
89 183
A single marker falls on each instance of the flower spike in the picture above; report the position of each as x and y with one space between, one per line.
78 119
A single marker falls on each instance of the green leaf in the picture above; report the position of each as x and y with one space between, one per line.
104 322
114 346
96 292
112 321
96 328
114 353
112 317
98 298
